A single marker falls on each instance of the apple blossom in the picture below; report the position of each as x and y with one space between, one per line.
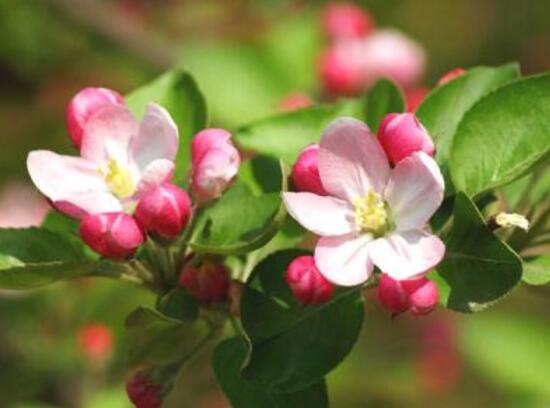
114 235
142 392
120 161
341 21
374 215
402 134
21 206
164 211
207 282
215 162
449 76
305 172
83 106
419 296
307 283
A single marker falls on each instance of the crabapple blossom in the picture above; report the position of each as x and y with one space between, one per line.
307 283
83 106
305 172
208 282
402 134
114 235
419 296
121 160
164 211
342 21
215 162
142 392
373 215
21 206
449 76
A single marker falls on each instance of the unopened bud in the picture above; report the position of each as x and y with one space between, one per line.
113 235
96 341
449 76
402 134
306 282
207 282
343 21
305 172
142 392
419 296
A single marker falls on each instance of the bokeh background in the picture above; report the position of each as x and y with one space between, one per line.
64 346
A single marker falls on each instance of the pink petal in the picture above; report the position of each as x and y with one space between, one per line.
107 135
415 191
344 260
351 162
407 254
156 173
157 137
322 215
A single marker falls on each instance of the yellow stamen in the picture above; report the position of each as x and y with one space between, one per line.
371 214
119 179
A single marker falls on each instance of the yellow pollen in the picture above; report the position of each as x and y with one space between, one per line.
119 179
370 213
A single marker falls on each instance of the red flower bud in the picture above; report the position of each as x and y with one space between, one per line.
402 134
341 21
208 282
96 341
294 102
142 393
84 105
164 211
449 76
419 296
114 235
305 172
307 283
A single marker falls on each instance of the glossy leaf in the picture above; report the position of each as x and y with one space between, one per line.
384 97
180 305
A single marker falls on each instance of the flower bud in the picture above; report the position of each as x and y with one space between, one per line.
215 163
142 393
305 172
294 102
342 21
419 296
96 341
306 282
208 282
113 235
164 211
402 134
449 76
83 105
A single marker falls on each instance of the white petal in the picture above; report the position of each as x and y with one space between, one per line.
351 161
82 204
406 254
415 191
157 137
157 172
322 215
344 260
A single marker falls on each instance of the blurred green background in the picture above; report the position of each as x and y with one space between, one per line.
246 55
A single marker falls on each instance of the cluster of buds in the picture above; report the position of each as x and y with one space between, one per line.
207 282
419 296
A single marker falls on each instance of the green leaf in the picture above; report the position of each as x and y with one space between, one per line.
227 362
293 347
180 305
445 106
503 136
510 350
478 268
385 97
286 134
179 94
537 271
261 174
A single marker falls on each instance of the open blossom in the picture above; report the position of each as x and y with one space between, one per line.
373 215
121 160
341 21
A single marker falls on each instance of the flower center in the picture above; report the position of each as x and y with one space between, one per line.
371 214
119 179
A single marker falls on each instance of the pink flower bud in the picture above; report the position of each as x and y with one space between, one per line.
215 163
342 68
113 235
419 296
208 282
449 76
391 54
164 211
402 134
307 283
142 393
96 341
341 21
305 172
83 105
294 102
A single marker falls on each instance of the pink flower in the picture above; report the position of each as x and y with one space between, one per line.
402 134
113 235
164 211
215 163
417 295
305 172
374 215
449 76
84 105
389 53
307 283
120 160
341 21
208 282
21 206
